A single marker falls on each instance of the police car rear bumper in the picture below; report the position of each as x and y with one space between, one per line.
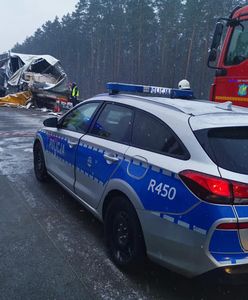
178 248
226 275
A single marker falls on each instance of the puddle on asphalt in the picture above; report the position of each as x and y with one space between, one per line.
16 155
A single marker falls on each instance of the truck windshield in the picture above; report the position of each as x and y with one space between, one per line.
238 46
227 147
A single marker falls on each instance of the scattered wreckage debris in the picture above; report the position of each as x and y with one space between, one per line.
18 99
41 78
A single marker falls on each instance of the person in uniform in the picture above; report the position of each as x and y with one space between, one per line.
74 94
184 85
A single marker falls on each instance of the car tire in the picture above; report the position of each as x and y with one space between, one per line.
39 163
123 234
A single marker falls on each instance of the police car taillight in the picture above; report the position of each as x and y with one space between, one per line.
240 192
208 188
215 189
233 226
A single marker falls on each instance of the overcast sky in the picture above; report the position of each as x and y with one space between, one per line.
20 18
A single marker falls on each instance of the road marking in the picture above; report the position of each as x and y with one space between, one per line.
26 133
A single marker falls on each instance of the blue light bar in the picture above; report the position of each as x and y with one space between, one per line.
115 88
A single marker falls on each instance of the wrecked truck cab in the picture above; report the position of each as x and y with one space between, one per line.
42 75
38 72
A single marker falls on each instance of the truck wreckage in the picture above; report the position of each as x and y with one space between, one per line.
36 79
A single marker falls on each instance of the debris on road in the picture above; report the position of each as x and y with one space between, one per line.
18 99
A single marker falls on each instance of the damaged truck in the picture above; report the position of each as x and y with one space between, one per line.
41 76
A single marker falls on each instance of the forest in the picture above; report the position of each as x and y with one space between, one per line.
153 42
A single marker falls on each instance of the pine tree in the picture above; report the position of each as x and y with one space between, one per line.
155 42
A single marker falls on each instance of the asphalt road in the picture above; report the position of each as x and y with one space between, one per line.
52 248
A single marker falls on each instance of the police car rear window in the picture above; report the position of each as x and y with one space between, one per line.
227 147
151 134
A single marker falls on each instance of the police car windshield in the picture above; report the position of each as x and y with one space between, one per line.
227 147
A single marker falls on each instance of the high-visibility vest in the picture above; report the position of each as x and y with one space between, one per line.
75 92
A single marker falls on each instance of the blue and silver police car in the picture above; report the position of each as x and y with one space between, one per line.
167 176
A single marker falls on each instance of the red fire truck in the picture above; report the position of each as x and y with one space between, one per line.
231 78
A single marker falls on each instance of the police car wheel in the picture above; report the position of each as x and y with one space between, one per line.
123 234
39 163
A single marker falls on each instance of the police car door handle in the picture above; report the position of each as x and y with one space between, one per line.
110 157
72 144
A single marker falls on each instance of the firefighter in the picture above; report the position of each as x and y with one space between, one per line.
184 85
74 94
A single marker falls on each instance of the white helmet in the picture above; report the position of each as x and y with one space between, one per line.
184 85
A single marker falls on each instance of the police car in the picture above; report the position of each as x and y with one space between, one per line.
167 176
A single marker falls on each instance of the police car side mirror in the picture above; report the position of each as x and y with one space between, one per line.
51 122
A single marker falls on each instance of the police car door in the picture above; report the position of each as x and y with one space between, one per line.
101 151
63 142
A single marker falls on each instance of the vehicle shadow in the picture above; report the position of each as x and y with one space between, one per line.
154 281
161 282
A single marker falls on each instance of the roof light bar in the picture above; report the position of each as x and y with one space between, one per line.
115 88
